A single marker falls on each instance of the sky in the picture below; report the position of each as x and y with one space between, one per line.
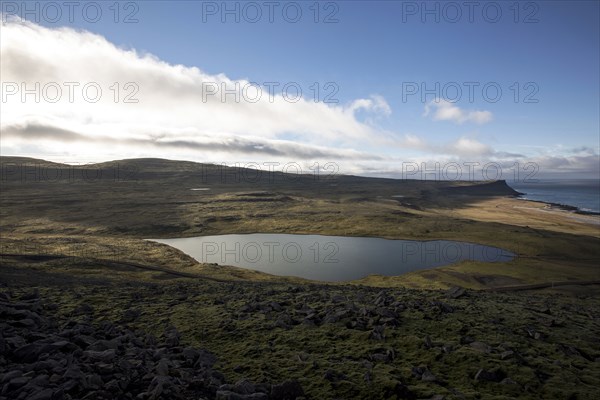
483 89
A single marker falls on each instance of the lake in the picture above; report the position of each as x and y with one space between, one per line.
331 258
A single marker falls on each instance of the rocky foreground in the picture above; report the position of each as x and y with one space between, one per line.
43 359
183 339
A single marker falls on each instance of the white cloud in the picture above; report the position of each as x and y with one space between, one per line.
375 103
174 101
470 147
444 110
463 146
413 141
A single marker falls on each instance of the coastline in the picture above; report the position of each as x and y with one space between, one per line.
580 196
559 206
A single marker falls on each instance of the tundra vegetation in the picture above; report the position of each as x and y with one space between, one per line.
92 310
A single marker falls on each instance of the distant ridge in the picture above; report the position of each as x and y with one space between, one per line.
148 169
149 163
28 161
495 188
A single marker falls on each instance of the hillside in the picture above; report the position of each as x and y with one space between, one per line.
79 282
206 339
110 207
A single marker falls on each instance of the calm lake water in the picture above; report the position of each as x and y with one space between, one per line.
331 258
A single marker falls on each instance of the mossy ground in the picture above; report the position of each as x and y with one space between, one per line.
433 331
107 220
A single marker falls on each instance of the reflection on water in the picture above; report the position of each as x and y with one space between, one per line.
331 258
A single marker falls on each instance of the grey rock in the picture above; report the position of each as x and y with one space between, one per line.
101 345
334 376
113 386
288 390
69 385
172 337
48 365
455 292
206 359
283 322
73 372
490 376
16 383
26 323
10 375
104 356
445 308
191 354
334 316
480 346
338 298
466 340
39 380
95 381
27 353
428 376
162 368
158 385
228 395
507 354
44 394
243 387
386 312
104 368
400 391
533 333
423 373
428 343
377 333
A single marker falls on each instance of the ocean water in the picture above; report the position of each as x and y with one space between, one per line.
581 193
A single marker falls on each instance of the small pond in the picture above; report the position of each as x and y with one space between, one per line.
331 258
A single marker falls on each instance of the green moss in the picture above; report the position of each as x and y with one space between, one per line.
212 315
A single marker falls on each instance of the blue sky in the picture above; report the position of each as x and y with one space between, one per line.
377 48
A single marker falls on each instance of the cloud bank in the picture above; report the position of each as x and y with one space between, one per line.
100 90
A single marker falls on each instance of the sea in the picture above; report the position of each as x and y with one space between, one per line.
581 193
